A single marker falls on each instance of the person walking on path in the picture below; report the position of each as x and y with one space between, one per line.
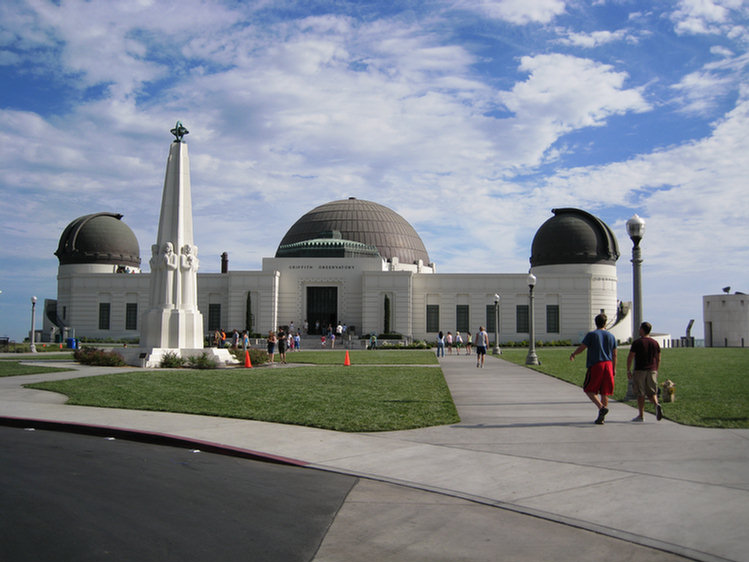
441 344
271 346
482 342
449 342
601 365
469 343
646 355
282 341
458 342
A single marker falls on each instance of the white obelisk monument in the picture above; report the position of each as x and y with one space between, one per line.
172 322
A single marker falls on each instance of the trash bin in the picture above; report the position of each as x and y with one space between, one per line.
71 343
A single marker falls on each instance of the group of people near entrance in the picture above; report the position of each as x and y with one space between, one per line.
447 341
643 362
450 342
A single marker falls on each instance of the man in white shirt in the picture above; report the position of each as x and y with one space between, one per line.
482 342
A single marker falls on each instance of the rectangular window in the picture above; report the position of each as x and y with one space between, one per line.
433 318
521 319
104 310
552 318
214 317
131 316
491 319
462 318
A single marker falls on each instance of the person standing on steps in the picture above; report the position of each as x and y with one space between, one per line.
482 342
646 354
601 366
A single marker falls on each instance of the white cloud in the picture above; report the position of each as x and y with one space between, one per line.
701 91
519 12
710 17
594 38
561 94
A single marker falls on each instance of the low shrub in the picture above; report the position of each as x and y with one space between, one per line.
393 336
201 361
98 357
257 356
539 343
415 345
171 360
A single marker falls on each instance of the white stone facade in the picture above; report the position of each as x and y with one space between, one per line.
567 297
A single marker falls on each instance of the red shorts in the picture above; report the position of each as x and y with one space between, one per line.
600 379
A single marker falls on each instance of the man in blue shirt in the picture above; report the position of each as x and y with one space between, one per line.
601 366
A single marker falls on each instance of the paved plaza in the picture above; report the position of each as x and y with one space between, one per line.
525 475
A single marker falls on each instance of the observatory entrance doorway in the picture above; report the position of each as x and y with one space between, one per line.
322 307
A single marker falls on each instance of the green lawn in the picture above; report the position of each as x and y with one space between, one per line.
9 368
712 384
356 398
364 357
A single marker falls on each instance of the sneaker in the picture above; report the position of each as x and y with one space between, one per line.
658 412
601 414
638 419
477 365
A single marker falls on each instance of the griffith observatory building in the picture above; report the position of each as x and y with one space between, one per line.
350 261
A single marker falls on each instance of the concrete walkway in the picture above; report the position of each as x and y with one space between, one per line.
526 443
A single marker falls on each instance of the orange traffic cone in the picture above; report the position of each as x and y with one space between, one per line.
347 361
247 362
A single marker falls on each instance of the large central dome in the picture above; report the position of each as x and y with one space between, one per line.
359 221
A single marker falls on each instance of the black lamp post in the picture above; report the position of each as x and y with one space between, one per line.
33 324
496 350
532 358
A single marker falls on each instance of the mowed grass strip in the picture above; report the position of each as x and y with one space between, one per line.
340 398
15 368
712 384
363 357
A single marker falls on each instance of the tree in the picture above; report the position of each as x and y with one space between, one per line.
387 314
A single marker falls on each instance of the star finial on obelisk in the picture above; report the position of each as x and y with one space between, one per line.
179 131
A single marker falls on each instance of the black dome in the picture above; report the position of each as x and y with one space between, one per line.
574 236
99 238
359 221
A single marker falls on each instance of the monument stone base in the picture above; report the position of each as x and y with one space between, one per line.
151 358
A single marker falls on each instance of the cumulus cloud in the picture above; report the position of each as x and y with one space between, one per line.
595 38
710 17
519 12
562 93
702 90
473 139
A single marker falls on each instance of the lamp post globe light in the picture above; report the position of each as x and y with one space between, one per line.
532 358
496 350
635 230
33 326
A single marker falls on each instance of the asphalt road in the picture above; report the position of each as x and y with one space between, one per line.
78 497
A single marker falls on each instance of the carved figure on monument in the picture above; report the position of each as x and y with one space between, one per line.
164 264
188 269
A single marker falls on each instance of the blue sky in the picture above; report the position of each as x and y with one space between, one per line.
470 118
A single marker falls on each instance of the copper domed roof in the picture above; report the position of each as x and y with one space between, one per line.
359 221
99 238
574 236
